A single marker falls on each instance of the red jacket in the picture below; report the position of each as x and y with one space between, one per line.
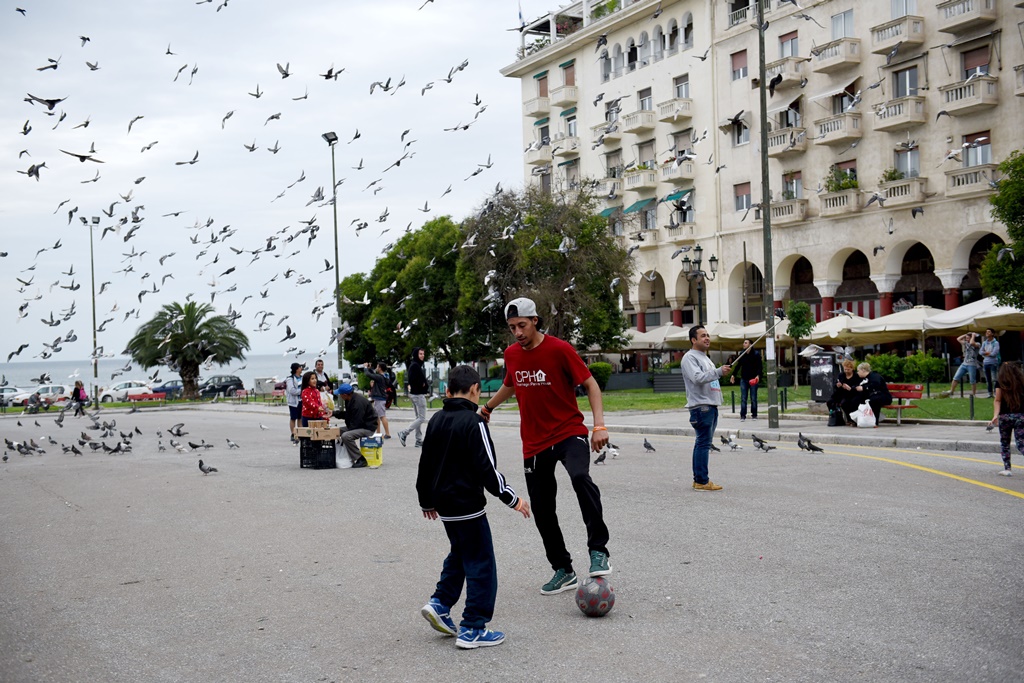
312 407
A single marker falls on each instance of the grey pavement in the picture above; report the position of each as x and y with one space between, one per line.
867 563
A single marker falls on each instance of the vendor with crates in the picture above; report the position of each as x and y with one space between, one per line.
360 421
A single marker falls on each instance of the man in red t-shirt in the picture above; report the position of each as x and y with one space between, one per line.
543 372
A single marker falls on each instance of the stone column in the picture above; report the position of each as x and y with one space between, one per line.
641 317
951 279
676 304
885 284
827 289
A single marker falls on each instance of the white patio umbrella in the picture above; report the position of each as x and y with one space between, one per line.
906 324
653 338
836 330
975 316
680 337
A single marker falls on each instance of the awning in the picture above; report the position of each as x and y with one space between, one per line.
609 211
568 163
726 124
783 105
835 91
568 112
677 195
542 74
636 206
967 39
565 64
541 122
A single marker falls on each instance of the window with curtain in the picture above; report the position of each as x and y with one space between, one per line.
790 118
681 85
739 65
682 140
611 112
905 82
908 162
651 218
841 101
645 100
901 8
975 61
842 25
570 126
740 134
613 164
646 152
544 135
793 186
788 45
742 194
979 149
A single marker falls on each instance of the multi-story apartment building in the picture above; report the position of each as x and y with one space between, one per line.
885 128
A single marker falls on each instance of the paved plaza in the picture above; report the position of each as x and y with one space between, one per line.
866 563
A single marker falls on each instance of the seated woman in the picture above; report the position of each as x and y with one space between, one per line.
844 398
873 389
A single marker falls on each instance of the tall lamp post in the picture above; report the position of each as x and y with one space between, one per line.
692 271
331 138
95 221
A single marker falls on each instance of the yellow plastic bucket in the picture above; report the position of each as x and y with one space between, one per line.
372 449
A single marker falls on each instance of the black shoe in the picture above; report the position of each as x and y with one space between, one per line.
361 462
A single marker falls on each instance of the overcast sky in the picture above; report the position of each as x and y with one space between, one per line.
234 51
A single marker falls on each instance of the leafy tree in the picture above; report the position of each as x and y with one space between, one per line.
183 337
1004 278
801 322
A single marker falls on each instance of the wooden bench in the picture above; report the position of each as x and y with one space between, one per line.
903 393
159 396
276 396
240 396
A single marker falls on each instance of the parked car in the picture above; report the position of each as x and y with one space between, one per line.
7 393
173 388
122 390
220 384
51 394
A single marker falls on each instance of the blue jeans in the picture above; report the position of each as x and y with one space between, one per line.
471 561
704 420
745 390
991 370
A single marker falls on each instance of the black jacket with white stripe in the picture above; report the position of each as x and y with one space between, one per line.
458 462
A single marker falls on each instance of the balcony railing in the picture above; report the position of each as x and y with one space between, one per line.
682 173
790 68
966 97
641 180
786 212
750 11
680 233
638 121
908 30
901 114
568 146
609 187
905 191
973 180
837 55
787 142
537 107
564 96
611 136
841 129
678 109
538 157
961 15
1018 88
844 201
645 238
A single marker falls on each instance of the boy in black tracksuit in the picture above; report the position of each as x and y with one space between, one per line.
456 464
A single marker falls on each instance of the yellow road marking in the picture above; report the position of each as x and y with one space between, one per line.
943 455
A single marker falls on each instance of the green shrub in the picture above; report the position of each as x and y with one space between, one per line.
602 372
673 364
494 371
888 366
924 367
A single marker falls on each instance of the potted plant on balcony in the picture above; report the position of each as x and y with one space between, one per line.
891 174
604 9
838 180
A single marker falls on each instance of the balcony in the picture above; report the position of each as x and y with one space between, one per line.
679 109
841 129
837 55
608 187
900 114
790 68
539 157
787 142
788 212
564 96
908 30
972 181
905 191
1018 88
638 181
638 122
601 131
973 95
537 107
683 173
749 12
646 239
680 233
842 202
568 146
961 15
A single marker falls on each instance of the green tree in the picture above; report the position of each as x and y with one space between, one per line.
801 322
1002 277
183 337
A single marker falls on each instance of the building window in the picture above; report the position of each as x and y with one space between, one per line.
569 75
545 183
617 228
739 65
688 215
978 149
792 186
740 134
645 49
631 56
611 112
544 135
645 100
790 118
681 85
618 61
542 86
788 45
570 126
901 8
681 140
672 39
613 164
842 25
905 82
606 69
841 101
646 152
908 162
975 61
847 169
688 31
651 219
572 176
742 194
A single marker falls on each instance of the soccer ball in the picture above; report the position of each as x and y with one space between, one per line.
595 597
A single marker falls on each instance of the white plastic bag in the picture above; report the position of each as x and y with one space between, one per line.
864 416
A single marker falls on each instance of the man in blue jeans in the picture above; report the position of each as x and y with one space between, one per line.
703 396
750 376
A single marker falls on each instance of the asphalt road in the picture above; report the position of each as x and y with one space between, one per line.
862 564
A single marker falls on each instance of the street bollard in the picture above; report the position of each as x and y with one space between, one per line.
928 389
961 390
972 406
732 394
785 398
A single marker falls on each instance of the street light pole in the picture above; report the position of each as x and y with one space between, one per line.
331 138
692 271
95 343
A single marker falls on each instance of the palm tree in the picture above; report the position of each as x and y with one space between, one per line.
183 338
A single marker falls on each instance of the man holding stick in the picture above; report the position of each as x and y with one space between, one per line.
703 396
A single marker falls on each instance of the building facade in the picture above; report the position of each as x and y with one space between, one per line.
886 123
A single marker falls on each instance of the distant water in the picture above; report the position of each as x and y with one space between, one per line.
263 365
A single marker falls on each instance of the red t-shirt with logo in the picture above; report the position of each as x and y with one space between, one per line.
545 379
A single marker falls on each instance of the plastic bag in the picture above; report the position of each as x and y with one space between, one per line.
864 416
327 400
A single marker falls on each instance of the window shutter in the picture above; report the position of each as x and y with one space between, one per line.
975 58
742 189
787 36
739 60
973 137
